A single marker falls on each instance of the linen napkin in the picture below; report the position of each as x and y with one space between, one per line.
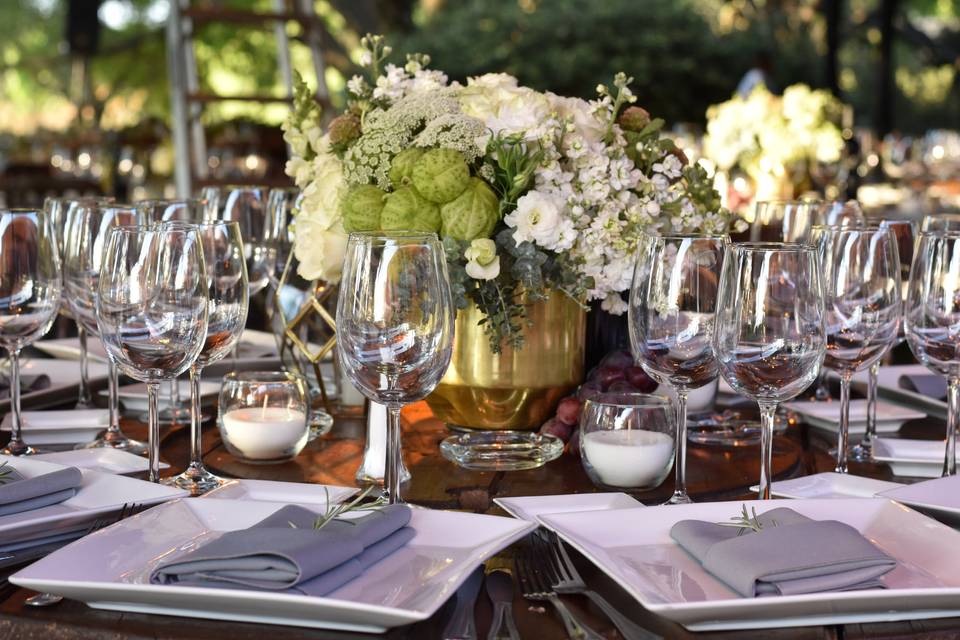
28 383
790 555
19 494
284 551
926 384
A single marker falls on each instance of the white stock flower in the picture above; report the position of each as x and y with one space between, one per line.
483 263
300 170
539 218
581 114
614 304
319 250
321 198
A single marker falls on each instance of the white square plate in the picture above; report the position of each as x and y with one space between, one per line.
134 396
69 426
829 485
110 568
826 415
64 381
940 498
633 546
99 494
312 496
102 459
888 386
253 344
911 458
530 508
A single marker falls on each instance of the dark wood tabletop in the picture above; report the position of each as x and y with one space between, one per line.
713 474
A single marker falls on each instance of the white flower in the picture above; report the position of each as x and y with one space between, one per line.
614 304
300 170
539 218
319 250
355 85
322 196
580 113
483 263
366 58
493 81
393 84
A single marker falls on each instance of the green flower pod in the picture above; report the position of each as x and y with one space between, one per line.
473 214
402 166
440 175
361 208
406 210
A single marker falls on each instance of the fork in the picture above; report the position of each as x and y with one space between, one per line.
534 585
47 599
568 580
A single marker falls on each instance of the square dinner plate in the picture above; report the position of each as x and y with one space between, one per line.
633 546
100 494
530 508
829 485
59 427
826 415
888 386
110 568
911 458
940 498
102 459
64 382
311 496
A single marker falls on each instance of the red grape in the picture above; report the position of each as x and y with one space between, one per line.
568 411
621 386
573 446
554 427
589 389
640 381
606 376
620 359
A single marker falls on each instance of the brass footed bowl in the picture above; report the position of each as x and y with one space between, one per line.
517 389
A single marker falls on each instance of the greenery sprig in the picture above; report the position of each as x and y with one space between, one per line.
337 510
745 521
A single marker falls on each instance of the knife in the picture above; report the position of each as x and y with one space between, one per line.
462 625
500 590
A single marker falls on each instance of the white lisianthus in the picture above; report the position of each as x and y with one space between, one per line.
539 218
483 263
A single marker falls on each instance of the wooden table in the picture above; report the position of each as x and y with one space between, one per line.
714 474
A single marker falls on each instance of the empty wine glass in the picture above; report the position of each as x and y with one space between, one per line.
671 320
87 227
905 231
941 222
281 205
226 317
189 210
247 206
784 220
394 325
932 320
152 308
839 213
30 289
769 335
862 299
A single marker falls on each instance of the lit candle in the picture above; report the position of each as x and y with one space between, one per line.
629 457
265 433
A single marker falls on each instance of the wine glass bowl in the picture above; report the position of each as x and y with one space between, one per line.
394 324
671 321
30 291
770 336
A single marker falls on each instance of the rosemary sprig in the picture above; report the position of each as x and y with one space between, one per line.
5 471
745 521
336 510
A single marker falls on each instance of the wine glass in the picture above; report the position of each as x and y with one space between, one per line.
839 213
281 205
189 210
226 316
941 222
862 299
769 335
905 231
87 227
784 220
932 320
671 320
30 289
394 325
152 308
247 206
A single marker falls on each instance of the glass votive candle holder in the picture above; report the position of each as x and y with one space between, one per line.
627 440
264 415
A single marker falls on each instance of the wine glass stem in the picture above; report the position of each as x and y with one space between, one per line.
393 453
867 443
175 394
113 398
196 435
153 423
843 435
85 399
953 407
768 412
680 461
16 441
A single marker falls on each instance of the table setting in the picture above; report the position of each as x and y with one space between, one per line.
409 442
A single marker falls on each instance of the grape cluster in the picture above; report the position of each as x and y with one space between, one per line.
617 372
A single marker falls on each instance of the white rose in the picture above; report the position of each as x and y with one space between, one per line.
321 198
319 250
483 263
538 218
493 81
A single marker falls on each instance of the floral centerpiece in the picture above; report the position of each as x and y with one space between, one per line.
778 141
533 194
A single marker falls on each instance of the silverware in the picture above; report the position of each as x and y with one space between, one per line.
500 590
535 585
462 625
48 599
568 580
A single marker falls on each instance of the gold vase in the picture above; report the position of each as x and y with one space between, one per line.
517 389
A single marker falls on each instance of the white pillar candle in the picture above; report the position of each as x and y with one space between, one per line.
628 457
266 433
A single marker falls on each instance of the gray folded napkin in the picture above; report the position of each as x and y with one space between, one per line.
25 494
284 551
795 555
926 384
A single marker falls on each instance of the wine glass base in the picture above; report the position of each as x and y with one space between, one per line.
174 415
18 449
321 423
679 498
83 405
860 453
197 481
116 440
